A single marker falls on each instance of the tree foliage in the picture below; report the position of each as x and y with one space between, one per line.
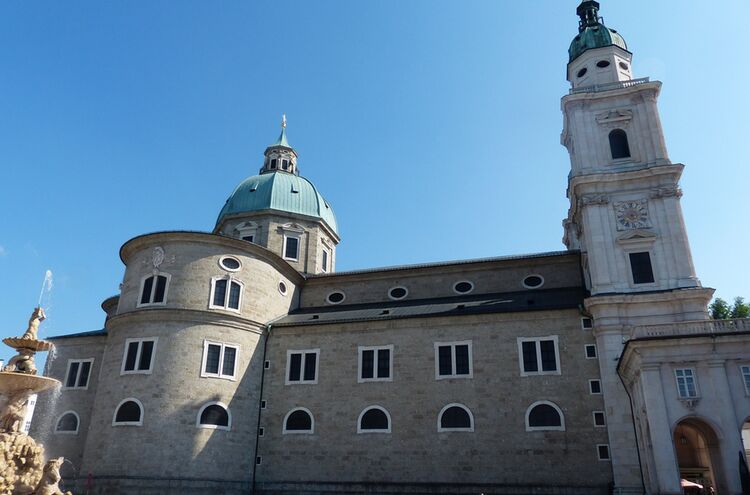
721 310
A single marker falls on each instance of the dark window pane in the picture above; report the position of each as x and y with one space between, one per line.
336 297
544 415
72 373
462 359
220 292
230 263
248 238
325 260
590 351
374 419
455 417
533 281
445 366
212 359
147 349
529 357
83 378
603 451
128 412
463 287
599 419
292 243
161 287
130 357
618 143
295 367
549 360
146 294
368 363
398 293
215 415
384 363
310 360
273 163
69 422
234 295
285 164
299 421
640 264
596 387
230 355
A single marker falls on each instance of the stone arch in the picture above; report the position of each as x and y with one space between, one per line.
696 441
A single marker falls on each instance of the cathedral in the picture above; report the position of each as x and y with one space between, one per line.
240 361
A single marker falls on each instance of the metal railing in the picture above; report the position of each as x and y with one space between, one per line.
702 327
609 86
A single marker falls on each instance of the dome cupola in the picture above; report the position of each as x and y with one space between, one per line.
280 156
592 33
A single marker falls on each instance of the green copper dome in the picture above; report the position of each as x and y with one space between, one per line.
592 33
282 192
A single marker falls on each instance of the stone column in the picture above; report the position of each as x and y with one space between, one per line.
730 439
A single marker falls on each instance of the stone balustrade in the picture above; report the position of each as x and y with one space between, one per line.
610 86
701 327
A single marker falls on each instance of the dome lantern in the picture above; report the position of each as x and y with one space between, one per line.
280 156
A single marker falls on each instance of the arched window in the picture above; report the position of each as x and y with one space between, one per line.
618 144
299 420
374 419
68 423
226 293
214 415
455 417
154 289
544 415
129 412
273 163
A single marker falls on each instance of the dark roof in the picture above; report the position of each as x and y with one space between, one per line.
508 302
93 333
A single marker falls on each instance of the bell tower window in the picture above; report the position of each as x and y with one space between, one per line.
640 266
285 164
273 163
618 144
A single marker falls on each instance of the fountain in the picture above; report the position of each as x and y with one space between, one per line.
22 467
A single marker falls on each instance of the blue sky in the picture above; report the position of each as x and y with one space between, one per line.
431 126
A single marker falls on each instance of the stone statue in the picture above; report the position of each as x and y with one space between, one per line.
48 485
37 317
14 412
23 362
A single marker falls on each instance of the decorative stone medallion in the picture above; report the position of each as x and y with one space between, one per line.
632 215
157 257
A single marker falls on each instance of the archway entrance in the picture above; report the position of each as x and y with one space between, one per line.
697 449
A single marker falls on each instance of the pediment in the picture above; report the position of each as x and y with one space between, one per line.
635 236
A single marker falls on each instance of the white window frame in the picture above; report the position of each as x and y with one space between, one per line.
545 428
535 287
463 282
226 307
586 348
325 260
78 374
299 246
57 422
198 423
220 374
231 270
583 323
591 390
302 380
376 349
745 372
694 376
593 418
311 431
453 374
140 341
406 293
248 229
360 430
154 274
440 429
537 340
609 452
635 250
328 296
128 423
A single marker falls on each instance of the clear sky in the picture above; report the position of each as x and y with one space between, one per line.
431 126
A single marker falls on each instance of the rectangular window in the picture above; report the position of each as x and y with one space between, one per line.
291 248
324 261
686 388
539 356
603 452
587 323
595 387
375 364
640 265
226 293
78 373
302 366
154 290
453 360
219 360
590 351
599 419
745 370
138 356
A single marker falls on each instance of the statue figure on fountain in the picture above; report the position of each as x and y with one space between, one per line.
49 484
14 412
23 362
37 317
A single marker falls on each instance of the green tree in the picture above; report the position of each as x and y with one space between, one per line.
721 310
740 309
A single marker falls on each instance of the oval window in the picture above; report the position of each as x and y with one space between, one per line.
230 264
463 287
624 66
282 288
335 297
533 281
602 64
398 293
582 72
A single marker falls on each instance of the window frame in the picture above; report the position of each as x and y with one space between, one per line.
598 452
335 291
558 365
55 431
545 428
78 374
590 321
304 353
694 376
140 341
631 275
440 429
453 346
299 246
360 430
622 132
586 348
311 431
230 279
325 260
220 375
154 274
230 257
376 349
745 381
128 423
206 426
463 282
604 416
591 390
533 287
405 289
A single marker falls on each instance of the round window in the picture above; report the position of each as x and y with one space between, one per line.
582 72
398 293
463 287
282 288
624 66
602 64
533 281
335 297
230 264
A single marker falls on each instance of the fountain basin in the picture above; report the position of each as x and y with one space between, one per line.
12 383
31 344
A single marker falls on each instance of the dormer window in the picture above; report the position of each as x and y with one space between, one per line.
618 144
291 248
